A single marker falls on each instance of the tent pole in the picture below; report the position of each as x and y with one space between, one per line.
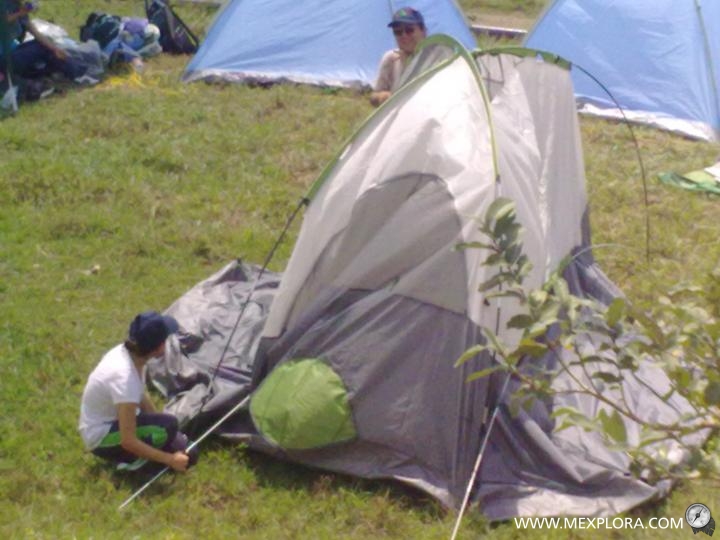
210 430
478 461
303 202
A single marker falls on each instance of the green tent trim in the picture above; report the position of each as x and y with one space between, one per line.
303 404
693 181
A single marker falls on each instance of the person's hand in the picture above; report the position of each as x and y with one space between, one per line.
59 53
378 98
179 461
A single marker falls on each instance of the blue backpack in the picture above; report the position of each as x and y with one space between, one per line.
102 27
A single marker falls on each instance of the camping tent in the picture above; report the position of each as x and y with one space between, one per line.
660 59
348 357
334 43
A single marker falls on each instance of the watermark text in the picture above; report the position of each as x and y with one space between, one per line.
586 523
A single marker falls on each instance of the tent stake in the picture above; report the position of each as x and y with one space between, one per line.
217 424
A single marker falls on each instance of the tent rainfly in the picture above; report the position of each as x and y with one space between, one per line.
311 42
660 59
348 357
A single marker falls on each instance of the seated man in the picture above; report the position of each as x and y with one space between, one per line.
408 26
38 57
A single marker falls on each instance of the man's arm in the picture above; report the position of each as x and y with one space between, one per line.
45 41
146 405
129 441
19 14
382 89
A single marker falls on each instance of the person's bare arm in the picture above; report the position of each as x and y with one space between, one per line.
19 14
146 405
129 441
45 41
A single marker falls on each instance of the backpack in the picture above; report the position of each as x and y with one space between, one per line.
175 36
102 27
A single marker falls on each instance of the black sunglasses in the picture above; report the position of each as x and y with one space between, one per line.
400 30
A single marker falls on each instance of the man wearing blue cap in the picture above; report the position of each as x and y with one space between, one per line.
118 421
408 27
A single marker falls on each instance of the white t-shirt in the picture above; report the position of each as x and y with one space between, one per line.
114 380
391 67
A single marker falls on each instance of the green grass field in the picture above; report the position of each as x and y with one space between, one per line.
119 198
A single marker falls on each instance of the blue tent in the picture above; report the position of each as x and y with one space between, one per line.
660 59
325 42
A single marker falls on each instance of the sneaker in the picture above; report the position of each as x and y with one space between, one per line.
86 80
47 92
131 466
35 89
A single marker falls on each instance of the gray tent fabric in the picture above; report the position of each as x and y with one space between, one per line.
378 291
223 315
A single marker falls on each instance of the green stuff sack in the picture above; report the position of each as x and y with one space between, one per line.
303 404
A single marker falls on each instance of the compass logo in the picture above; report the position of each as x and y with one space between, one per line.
698 517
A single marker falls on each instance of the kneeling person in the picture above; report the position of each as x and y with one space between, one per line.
118 421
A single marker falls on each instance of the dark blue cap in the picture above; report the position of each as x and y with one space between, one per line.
407 15
150 329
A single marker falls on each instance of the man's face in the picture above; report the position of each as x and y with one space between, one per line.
408 36
159 352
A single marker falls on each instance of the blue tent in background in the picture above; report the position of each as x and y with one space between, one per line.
325 42
660 59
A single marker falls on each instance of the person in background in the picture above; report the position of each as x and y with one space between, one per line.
118 421
39 57
408 27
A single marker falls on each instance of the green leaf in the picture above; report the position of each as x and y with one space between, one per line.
683 379
496 344
607 377
615 311
530 347
498 208
512 253
518 294
491 283
520 321
483 373
537 298
507 233
470 353
473 245
563 264
613 425
712 393
494 259
524 267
